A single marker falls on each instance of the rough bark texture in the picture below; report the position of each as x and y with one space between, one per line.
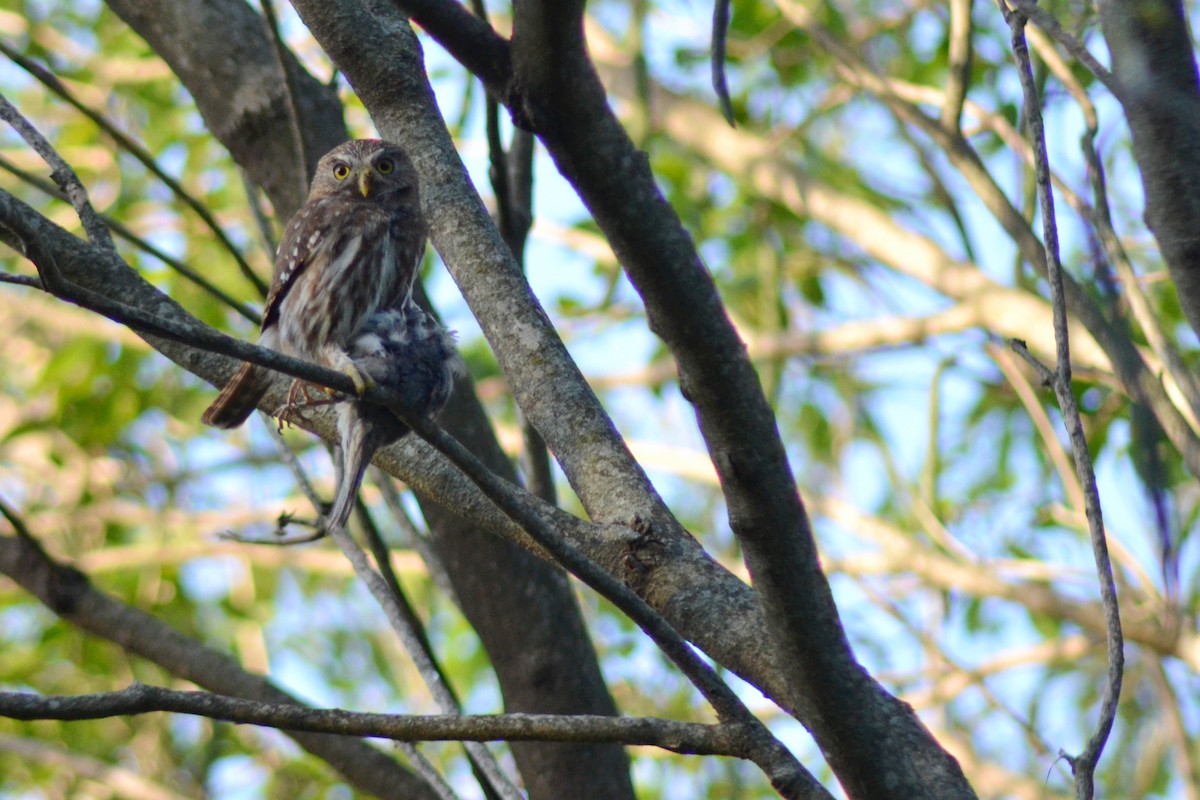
522 607
875 743
1155 68
221 53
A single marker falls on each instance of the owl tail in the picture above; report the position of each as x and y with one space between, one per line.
238 400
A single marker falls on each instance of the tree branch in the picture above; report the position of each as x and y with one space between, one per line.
68 593
689 738
469 38
141 244
61 173
135 149
1083 765
1155 70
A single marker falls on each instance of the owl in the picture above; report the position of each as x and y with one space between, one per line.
353 248
406 352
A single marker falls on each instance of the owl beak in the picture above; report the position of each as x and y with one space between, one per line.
364 182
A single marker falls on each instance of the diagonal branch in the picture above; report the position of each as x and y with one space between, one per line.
135 149
693 586
786 774
61 173
141 244
559 95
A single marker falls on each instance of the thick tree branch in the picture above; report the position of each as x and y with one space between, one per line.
690 586
1155 69
562 99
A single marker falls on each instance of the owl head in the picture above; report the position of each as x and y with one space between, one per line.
369 169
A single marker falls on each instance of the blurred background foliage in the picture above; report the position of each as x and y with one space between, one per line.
874 289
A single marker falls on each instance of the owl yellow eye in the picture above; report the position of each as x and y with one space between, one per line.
385 165
341 171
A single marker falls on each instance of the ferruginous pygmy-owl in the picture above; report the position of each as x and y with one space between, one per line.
406 352
352 249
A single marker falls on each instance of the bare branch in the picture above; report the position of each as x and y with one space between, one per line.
138 698
279 49
958 64
68 593
1046 21
1083 765
406 625
141 244
135 149
61 173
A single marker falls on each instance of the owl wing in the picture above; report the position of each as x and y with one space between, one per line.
301 239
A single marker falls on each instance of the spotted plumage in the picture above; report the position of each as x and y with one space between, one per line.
352 249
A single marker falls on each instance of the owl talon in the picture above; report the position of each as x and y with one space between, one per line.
295 407
362 381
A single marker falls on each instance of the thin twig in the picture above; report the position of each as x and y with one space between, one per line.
295 467
483 763
1046 21
61 173
21 280
397 611
412 537
722 14
15 520
141 244
266 233
135 149
138 698
958 67
1084 765
385 587
425 768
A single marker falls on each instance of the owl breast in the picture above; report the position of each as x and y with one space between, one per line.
362 261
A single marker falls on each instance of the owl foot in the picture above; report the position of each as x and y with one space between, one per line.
294 408
362 381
